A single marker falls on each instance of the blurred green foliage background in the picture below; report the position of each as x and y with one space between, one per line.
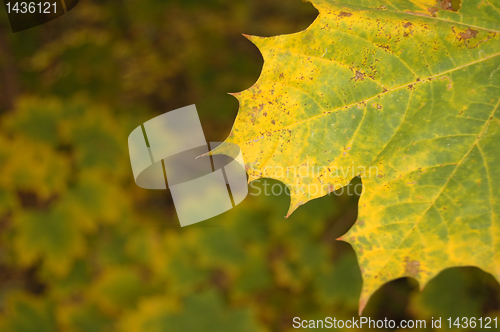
83 249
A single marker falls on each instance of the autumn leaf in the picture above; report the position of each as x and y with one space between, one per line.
202 312
27 313
405 95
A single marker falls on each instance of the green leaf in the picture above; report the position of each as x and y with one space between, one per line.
342 283
84 318
201 312
32 167
457 292
405 95
51 235
119 288
27 314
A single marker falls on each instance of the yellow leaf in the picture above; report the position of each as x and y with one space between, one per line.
406 100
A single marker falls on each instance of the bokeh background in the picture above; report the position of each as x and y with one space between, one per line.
83 249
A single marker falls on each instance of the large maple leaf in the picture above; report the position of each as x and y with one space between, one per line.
404 94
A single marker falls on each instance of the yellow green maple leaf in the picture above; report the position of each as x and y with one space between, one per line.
404 94
54 235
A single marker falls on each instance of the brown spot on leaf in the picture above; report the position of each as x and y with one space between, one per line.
407 24
469 33
345 14
359 76
446 5
386 48
412 268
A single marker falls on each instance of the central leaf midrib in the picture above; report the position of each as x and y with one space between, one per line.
326 112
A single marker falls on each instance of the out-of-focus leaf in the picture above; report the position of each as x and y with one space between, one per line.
31 166
454 293
52 236
27 314
205 312
84 318
118 289
341 284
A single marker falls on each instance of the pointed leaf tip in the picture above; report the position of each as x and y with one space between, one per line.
253 39
362 305
234 94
